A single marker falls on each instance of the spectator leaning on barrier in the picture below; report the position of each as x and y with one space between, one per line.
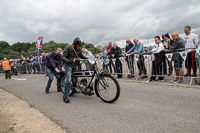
54 65
130 59
33 64
159 53
37 64
23 63
115 54
6 68
178 60
28 65
191 42
139 49
103 55
168 43
111 64
153 69
88 54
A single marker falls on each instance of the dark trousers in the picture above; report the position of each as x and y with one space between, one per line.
191 63
141 66
160 72
29 67
165 67
43 67
23 69
153 71
38 67
33 67
7 74
130 60
105 66
118 67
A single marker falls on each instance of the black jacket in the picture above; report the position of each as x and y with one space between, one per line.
129 47
116 51
69 55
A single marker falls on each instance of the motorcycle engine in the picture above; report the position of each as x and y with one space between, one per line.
83 82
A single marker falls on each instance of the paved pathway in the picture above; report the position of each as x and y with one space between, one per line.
141 107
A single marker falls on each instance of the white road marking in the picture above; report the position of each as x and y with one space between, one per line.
19 79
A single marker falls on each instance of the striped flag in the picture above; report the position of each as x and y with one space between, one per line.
39 42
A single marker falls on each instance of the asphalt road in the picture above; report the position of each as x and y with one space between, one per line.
141 107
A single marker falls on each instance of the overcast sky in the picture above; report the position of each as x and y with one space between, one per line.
96 21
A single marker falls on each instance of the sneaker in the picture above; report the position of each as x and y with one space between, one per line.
172 81
178 82
144 76
59 90
160 80
150 80
47 90
66 99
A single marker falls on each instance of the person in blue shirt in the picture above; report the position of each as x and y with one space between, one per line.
139 49
104 56
33 64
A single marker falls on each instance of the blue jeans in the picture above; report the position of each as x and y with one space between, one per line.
51 73
113 65
68 70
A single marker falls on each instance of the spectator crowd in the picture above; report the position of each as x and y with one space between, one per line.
167 54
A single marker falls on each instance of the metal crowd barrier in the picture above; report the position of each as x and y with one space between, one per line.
30 68
140 65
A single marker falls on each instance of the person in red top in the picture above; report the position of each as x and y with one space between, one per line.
109 57
6 68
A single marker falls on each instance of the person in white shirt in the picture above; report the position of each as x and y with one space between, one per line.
191 43
168 42
159 53
153 67
88 54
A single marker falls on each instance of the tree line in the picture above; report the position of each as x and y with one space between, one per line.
26 49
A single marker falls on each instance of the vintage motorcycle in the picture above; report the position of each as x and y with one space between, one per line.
106 87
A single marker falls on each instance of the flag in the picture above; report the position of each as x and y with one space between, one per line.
114 60
169 57
38 43
122 59
136 57
146 57
183 54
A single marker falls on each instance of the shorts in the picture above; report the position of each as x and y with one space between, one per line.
178 64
